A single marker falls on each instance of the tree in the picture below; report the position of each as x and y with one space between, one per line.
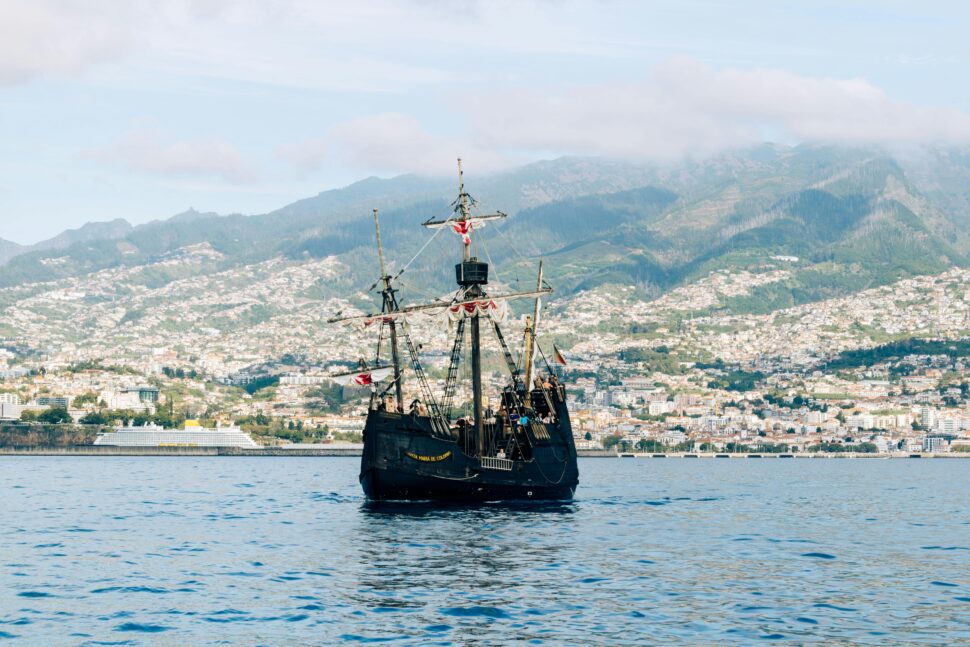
588 436
85 398
55 416
94 418
610 441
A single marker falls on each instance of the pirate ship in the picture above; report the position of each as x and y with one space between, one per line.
514 444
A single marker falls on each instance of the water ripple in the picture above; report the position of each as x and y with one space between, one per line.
205 551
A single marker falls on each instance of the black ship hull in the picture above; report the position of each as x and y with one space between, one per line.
404 460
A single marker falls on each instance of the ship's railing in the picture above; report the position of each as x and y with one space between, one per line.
490 463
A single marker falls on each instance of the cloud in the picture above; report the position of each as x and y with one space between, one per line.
395 142
39 37
149 151
685 108
682 108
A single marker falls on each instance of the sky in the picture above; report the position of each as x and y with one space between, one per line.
142 109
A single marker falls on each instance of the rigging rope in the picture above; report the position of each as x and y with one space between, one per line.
420 251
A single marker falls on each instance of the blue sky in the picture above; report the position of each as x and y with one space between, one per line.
140 110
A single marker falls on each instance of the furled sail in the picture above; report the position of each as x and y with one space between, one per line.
437 305
363 377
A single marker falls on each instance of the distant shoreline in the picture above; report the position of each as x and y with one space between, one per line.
102 450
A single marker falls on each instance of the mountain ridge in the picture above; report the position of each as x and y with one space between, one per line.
853 217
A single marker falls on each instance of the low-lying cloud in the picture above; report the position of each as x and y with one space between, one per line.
153 152
395 142
682 108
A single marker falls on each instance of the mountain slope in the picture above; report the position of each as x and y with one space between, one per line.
852 217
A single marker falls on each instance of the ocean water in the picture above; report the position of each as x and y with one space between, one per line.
274 551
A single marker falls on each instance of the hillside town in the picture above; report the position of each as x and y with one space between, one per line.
682 372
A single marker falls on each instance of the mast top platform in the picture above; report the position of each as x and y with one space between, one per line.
471 272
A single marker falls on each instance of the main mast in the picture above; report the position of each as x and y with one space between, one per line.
472 274
390 305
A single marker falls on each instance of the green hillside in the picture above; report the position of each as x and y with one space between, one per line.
852 217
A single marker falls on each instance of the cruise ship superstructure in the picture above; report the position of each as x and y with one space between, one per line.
193 435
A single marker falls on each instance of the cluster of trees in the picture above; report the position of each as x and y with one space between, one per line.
53 416
654 446
325 398
860 448
180 373
737 380
60 416
897 350
760 448
260 383
659 359
120 416
294 431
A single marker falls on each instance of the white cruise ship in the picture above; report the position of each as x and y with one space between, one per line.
193 435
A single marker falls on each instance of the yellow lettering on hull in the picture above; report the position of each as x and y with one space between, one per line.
428 459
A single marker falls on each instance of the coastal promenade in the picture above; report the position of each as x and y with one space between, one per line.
355 450
820 455
105 450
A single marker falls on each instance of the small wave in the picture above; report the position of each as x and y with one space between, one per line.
132 589
819 555
141 628
476 611
938 583
227 619
366 639
826 605
35 594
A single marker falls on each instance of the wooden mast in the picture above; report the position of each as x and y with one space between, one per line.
390 305
530 340
474 291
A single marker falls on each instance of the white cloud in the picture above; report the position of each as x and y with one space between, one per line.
39 37
370 45
683 108
686 108
394 142
149 151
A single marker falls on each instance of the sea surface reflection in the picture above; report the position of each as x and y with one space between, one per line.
287 551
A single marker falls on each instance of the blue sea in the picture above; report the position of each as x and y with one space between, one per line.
282 551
